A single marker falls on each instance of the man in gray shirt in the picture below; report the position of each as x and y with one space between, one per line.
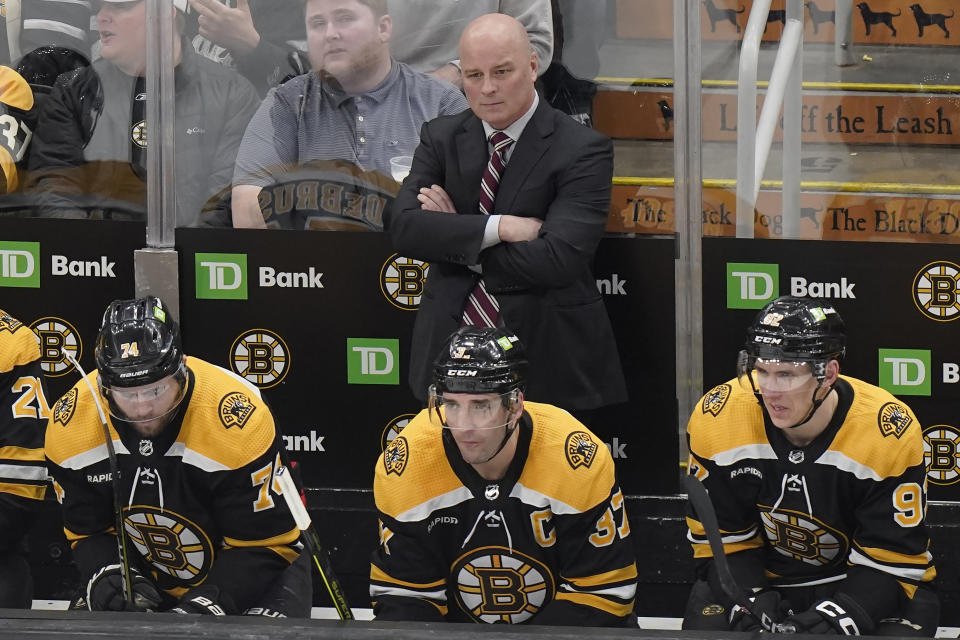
317 153
426 33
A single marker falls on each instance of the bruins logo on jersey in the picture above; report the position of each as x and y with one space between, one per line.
65 406
9 323
802 537
580 449
235 410
716 399
395 456
170 543
495 584
894 419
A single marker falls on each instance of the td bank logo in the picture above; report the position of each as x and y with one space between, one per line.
905 372
221 276
750 285
19 264
373 361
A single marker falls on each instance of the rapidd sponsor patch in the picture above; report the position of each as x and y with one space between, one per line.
580 449
894 419
395 456
235 410
65 406
716 399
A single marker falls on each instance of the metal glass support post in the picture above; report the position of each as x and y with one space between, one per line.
747 115
792 122
843 52
155 268
688 276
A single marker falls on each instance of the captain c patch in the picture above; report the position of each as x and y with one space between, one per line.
580 449
716 399
65 406
235 410
893 419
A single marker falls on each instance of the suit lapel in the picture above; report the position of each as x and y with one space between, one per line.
471 152
534 142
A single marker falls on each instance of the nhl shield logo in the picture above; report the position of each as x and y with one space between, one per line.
580 449
9 323
716 399
395 456
235 410
894 419
65 406
146 447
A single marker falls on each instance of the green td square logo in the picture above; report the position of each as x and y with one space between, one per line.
373 361
905 372
221 276
20 264
750 285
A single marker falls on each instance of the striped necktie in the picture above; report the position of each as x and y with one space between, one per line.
481 308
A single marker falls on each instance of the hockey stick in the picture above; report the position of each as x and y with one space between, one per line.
703 507
115 481
320 558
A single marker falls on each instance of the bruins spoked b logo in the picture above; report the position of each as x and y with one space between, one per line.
402 280
495 584
57 336
941 450
802 537
580 449
394 427
169 542
936 291
261 356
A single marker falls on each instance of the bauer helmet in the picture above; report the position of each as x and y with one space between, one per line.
138 344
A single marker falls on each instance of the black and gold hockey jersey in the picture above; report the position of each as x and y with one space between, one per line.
17 121
547 544
200 501
23 415
848 506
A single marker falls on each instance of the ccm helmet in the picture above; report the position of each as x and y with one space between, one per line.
480 360
797 330
138 344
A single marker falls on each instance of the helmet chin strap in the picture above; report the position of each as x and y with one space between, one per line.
508 431
816 405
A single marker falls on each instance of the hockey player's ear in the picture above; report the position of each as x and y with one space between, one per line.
516 406
833 372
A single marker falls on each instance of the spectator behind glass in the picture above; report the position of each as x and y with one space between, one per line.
317 154
426 32
547 190
88 155
261 39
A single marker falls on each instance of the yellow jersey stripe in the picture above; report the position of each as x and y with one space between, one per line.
287 553
21 453
29 491
892 557
609 577
596 602
378 574
283 538
702 550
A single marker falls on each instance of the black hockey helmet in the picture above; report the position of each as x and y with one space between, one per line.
797 330
480 360
41 67
138 343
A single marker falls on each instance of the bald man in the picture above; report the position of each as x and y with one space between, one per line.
532 254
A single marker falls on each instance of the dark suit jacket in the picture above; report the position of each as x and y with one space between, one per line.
561 172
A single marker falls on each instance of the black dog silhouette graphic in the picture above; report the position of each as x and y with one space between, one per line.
925 19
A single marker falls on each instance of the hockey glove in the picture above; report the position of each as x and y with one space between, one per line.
767 608
105 591
839 616
204 600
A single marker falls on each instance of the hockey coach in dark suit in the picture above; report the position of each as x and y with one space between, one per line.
507 202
